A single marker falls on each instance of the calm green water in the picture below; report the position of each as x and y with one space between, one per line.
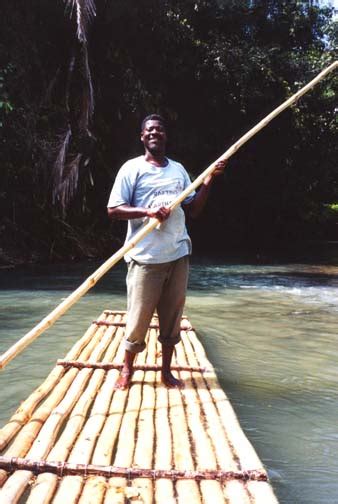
270 331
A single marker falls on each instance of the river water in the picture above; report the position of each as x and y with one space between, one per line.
269 330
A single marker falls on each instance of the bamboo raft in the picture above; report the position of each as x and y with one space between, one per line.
76 439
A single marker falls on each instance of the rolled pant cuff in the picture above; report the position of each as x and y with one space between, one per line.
134 347
169 342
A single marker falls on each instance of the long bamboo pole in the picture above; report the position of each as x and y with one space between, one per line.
49 320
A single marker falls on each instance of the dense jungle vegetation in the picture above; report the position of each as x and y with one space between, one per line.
74 89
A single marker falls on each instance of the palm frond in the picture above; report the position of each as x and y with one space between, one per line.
65 174
77 143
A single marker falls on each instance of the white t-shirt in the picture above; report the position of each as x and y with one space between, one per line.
141 184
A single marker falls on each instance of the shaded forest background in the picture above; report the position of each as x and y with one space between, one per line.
213 69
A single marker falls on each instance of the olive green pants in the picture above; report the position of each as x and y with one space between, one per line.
151 287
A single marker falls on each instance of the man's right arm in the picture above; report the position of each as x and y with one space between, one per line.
126 212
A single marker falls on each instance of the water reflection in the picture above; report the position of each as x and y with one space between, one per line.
270 331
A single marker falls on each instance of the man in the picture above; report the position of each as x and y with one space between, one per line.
158 265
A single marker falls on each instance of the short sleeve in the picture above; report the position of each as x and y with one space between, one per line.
122 191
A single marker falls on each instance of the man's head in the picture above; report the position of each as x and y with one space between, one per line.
153 134
153 117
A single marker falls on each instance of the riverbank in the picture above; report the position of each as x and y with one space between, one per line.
57 241
323 251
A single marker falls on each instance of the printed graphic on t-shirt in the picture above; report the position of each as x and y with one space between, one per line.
166 192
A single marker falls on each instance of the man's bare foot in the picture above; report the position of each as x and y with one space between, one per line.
170 381
123 381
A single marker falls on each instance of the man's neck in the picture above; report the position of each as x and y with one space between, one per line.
156 160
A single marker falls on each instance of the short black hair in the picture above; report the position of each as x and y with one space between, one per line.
153 117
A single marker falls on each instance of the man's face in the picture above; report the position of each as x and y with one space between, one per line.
154 137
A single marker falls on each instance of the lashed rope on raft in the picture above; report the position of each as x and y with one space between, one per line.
71 469
111 365
123 324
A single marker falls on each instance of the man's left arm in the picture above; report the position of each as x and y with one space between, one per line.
195 207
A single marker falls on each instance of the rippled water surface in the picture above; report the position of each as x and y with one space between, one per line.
270 331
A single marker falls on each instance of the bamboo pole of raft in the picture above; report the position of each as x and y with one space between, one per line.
71 487
164 488
68 468
215 444
245 454
143 489
17 482
107 366
187 491
106 443
234 491
82 349
118 489
23 442
92 427
42 444
54 315
211 491
46 483
25 411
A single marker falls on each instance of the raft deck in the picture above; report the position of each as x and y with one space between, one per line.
76 439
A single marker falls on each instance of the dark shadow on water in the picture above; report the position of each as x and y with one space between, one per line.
62 277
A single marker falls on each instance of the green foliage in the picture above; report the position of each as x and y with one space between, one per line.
213 68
